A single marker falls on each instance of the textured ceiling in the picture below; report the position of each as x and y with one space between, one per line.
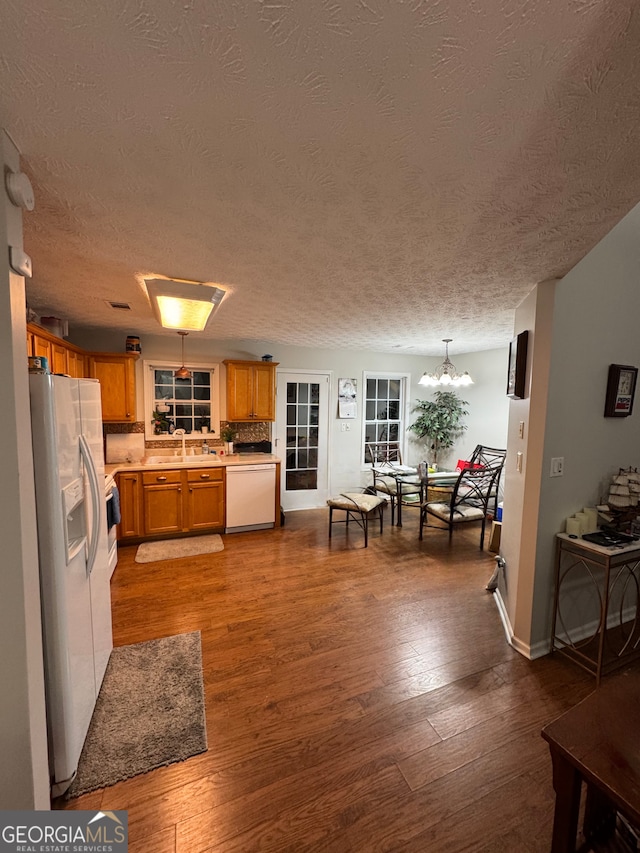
376 174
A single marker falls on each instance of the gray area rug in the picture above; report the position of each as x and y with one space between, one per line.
150 712
172 549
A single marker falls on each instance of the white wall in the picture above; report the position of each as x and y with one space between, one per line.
24 772
595 324
488 404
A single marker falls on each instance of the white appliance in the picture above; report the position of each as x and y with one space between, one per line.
110 489
250 497
66 422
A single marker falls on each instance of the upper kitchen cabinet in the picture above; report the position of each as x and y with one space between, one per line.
251 390
116 373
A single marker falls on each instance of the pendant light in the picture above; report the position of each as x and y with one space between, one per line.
446 374
183 372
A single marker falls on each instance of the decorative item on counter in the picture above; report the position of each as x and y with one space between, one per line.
228 435
133 344
267 357
620 508
572 526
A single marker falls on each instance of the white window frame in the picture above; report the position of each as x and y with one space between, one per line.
148 368
405 385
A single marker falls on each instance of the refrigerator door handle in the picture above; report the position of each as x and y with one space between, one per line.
95 502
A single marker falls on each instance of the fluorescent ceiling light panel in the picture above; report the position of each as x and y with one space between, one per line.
183 304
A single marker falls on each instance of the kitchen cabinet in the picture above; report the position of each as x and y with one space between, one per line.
116 374
63 357
204 499
58 362
162 502
182 501
130 489
251 390
40 346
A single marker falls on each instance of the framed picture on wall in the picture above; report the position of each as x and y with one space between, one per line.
621 389
517 369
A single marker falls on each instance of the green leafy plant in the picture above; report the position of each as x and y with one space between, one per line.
160 422
228 433
440 421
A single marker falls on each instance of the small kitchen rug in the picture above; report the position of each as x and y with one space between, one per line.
149 713
172 549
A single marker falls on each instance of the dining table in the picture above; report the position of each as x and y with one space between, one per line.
407 475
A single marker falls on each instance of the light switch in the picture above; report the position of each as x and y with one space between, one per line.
521 429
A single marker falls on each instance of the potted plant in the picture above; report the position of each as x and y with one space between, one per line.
439 421
160 422
228 435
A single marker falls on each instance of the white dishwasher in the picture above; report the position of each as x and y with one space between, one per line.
251 497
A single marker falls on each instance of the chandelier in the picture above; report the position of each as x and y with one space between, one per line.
446 374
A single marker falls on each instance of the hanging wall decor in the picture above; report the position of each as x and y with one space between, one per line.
621 389
517 370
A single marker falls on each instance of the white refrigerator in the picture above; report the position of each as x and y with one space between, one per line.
66 422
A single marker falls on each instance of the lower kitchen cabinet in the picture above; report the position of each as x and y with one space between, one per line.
162 501
205 499
155 503
130 489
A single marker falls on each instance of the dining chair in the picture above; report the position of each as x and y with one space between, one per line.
384 457
470 497
492 458
356 506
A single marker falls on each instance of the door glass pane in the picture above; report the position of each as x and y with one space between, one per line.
301 466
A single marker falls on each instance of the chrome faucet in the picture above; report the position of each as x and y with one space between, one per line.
181 433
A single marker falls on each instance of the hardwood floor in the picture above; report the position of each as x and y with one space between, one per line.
357 699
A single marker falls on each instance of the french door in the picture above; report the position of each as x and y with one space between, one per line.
302 431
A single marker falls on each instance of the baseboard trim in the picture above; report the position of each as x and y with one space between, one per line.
530 652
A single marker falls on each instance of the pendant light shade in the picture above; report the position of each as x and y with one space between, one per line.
183 372
446 374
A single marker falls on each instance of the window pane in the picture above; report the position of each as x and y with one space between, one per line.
303 392
291 415
393 432
163 377
313 436
371 389
315 393
371 411
183 410
164 392
383 389
292 389
394 410
202 393
291 436
394 389
200 377
183 393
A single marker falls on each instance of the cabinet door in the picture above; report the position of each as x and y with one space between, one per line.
162 508
239 392
75 364
116 375
42 347
130 495
59 363
205 499
264 392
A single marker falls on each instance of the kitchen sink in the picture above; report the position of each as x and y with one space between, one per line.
162 460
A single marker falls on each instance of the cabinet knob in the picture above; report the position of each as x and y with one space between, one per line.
128 414
160 479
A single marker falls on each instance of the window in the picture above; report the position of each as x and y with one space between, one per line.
189 404
385 416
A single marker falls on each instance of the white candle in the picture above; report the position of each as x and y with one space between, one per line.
592 516
573 526
583 520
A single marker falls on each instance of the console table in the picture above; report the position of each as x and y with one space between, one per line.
612 577
597 742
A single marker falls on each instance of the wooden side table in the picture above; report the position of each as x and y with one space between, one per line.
611 577
598 743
